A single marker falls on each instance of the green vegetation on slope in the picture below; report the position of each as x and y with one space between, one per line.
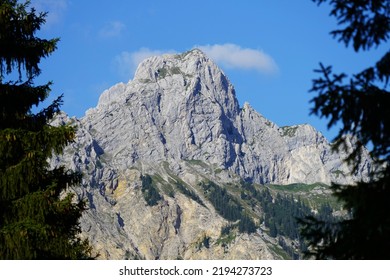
248 207
150 191
228 206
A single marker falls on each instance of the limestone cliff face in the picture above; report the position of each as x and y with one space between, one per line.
183 107
179 121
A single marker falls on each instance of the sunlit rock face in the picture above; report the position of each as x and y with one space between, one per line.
179 120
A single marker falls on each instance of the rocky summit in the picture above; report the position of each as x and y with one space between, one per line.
157 151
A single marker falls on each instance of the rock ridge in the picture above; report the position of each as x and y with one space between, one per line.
183 107
179 122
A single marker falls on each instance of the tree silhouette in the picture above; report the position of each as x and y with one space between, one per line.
38 220
361 105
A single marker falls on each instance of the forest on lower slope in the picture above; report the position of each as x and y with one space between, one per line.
251 208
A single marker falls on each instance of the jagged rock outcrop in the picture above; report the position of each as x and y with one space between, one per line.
183 107
179 120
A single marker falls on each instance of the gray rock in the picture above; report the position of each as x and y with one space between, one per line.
179 120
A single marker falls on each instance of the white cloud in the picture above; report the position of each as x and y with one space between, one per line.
55 9
234 56
112 29
127 62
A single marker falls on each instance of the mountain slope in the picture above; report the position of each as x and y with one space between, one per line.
154 149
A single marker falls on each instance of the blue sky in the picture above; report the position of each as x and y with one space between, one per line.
268 49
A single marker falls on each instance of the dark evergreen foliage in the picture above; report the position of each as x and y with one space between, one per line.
228 207
206 242
226 230
289 249
280 212
368 22
282 216
246 224
150 191
35 222
225 204
189 193
361 106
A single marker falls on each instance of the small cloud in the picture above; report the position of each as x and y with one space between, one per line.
54 8
124 64
127 62
234 56
112 29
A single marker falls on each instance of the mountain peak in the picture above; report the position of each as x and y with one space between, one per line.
187 63
159 147
194 53
188 74
182 107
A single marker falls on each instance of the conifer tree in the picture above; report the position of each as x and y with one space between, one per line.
361 105
37 219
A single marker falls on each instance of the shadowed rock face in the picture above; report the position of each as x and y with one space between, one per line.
179 119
